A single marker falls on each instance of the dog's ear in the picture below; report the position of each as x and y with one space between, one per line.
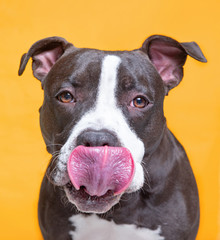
44 54
168 56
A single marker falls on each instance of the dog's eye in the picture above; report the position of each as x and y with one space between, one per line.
139 102
65 97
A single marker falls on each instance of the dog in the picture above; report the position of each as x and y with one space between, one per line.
116 172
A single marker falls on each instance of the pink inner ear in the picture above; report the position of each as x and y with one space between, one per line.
168 60
45 60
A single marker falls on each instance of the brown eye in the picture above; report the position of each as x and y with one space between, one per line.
65 97
139 102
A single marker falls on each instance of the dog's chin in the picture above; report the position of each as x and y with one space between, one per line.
90 204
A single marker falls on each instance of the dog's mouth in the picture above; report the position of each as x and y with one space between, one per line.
98 177
90 204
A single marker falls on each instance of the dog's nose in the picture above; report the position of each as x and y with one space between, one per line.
97 138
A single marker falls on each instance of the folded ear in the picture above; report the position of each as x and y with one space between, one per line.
168 56
44 54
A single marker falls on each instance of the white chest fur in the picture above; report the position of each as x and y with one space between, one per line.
95 228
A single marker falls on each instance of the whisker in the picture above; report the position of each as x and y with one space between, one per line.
146 175
54 144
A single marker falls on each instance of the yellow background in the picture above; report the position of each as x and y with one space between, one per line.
192 109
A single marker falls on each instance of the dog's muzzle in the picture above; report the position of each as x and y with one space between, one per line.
98 177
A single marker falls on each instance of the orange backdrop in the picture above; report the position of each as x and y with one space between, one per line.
192 109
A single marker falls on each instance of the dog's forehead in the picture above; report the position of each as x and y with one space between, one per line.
84 67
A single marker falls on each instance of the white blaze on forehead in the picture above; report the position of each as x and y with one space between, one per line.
106 115
108 82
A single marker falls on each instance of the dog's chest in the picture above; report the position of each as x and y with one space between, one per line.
95 228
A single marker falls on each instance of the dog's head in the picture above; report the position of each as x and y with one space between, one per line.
102 114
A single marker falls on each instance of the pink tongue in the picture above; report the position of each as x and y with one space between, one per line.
100 169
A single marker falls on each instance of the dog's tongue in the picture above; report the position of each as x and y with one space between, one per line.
100 169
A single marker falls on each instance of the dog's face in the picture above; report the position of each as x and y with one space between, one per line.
103 107
104 99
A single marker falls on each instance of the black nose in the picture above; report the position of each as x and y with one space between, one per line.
97 139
